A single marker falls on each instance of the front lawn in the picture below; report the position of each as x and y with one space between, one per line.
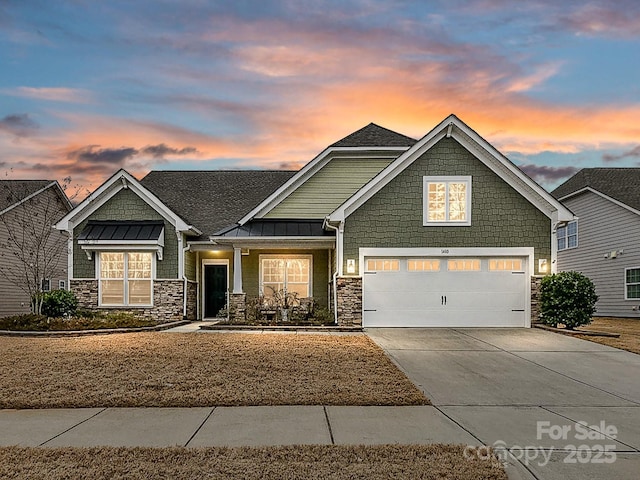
299 462
191 370
628 328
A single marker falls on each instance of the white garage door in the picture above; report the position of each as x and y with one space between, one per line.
445 291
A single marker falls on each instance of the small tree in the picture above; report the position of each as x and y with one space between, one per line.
568 298
31 250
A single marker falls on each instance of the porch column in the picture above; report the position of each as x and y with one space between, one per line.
237 270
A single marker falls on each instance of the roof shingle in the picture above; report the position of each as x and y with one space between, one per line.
13 191
375 136
213 200
622 184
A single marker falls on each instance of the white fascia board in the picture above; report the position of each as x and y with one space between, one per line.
600 194
303 175
29 197
445 129
119 181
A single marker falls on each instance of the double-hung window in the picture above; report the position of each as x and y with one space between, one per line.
632 283
126 278
567 235
287 273
447 201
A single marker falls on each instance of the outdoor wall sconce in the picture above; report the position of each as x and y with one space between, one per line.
351 265
543 266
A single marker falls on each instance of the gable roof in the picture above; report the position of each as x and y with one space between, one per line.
374 135
215 199
453 127
14 192
371 139
621 184
119 181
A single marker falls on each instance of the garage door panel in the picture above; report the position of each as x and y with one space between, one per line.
445 298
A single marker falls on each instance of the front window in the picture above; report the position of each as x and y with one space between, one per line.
632 283
568 235
447 200
288 274
126 278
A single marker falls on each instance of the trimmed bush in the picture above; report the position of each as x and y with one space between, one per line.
568 298
59 303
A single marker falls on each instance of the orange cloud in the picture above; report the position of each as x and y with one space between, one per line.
60 94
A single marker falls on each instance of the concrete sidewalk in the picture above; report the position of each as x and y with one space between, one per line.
229 426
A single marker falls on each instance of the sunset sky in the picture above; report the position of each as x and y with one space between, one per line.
87 87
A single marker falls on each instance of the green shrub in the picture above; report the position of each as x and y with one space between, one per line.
27 321
568 298
59 303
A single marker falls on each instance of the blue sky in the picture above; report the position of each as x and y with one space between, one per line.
89 87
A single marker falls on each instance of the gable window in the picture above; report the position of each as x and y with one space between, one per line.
291 274
126 278
567 235
447 201
632 283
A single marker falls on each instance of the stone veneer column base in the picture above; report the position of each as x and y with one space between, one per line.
237 306
349 293
535 298
167 300
192 300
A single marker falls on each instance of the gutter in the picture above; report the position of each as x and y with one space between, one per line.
326 224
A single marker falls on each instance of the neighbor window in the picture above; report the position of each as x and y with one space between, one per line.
62 284
126 278
632 283
383 265
46 285
463 265
568 235
289 274
447 200
423 265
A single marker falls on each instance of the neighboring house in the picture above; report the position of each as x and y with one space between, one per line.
384 229
32 254
603 242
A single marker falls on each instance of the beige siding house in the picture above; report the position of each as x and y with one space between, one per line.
28 210
603 242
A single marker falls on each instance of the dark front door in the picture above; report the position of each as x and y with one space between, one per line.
215 289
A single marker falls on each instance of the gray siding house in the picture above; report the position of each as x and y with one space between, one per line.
383 229
28 209
604 241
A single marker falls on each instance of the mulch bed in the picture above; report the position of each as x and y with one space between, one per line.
298 462
192 370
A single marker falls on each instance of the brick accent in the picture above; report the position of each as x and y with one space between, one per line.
238 306
535 297
349 290
167 299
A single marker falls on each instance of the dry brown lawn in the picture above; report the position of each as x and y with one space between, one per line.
309 462
191 370
628 328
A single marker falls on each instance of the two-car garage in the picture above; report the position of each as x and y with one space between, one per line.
446 287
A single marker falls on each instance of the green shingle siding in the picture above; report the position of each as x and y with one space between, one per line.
500 216
126 205
329 187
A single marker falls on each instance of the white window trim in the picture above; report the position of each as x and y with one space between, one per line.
626 297
566 237
425 200
125 280
285 257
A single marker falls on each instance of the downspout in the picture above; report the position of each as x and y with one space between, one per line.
335 274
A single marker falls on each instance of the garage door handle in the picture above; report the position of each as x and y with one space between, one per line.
517 310
370 310
443 300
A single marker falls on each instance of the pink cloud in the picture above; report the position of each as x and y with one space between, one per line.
53 94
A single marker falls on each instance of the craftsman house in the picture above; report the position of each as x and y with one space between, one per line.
602 242
383 229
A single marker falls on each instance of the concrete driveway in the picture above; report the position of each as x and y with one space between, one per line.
524 391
